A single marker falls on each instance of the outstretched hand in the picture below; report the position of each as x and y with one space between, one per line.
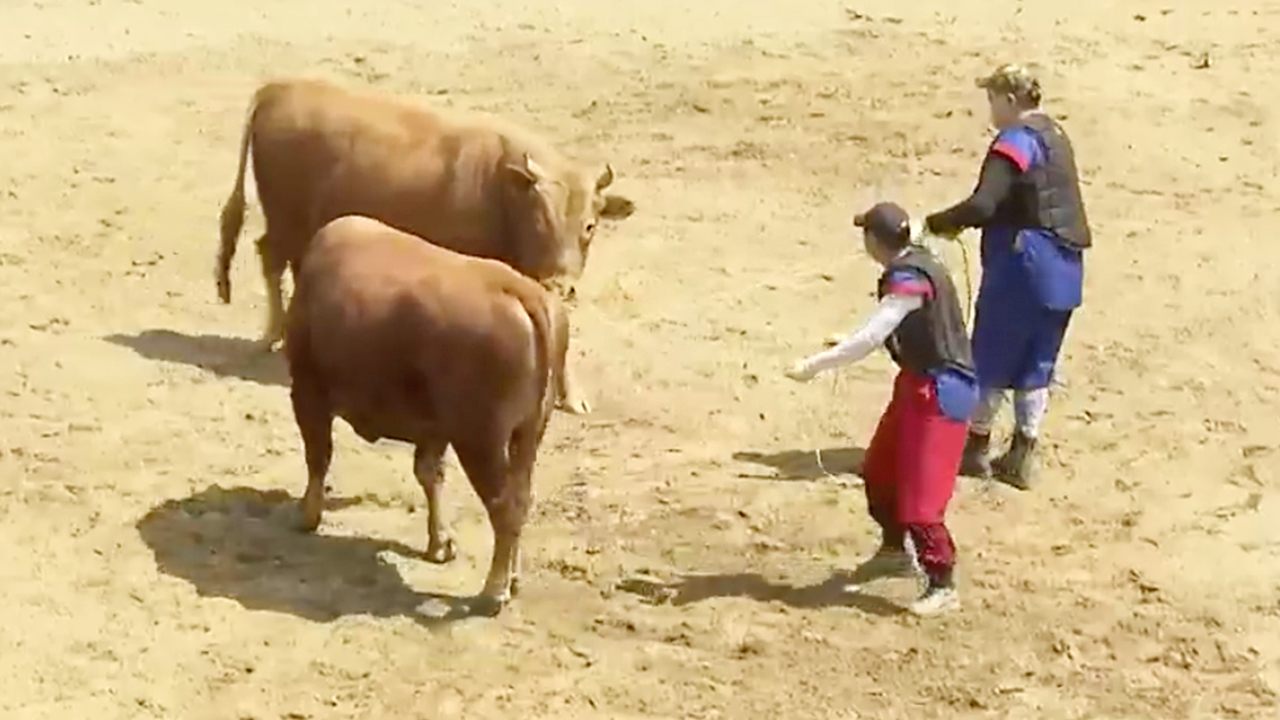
800 372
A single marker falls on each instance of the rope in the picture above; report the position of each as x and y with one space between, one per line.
968 272
968 281
817 452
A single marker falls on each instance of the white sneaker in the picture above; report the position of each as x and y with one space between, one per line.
935 600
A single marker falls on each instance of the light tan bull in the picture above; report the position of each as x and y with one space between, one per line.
408 341
470 183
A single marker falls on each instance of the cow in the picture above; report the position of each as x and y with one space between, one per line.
473 183
412 342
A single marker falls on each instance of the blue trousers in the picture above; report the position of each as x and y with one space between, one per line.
1023 308
1016 345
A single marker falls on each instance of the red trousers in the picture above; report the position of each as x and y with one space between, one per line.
910 469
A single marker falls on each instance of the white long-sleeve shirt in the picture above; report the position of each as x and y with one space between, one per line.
891 311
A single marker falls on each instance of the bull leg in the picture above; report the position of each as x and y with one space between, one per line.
428 467
315 424
273 267
522 453
515 571
505 493
506 515
569 396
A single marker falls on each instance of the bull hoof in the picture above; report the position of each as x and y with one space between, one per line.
266 344
488 605
441 552
575 406
515 587
308 518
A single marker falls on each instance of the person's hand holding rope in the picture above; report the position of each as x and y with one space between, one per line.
920 235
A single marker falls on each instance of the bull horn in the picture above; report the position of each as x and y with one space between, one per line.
534 168
606 177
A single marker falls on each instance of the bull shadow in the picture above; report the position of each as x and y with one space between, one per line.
223 356
242 544
803 464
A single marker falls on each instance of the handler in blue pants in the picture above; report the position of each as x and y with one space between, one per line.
1034 233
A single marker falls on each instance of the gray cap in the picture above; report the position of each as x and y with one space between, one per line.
885 220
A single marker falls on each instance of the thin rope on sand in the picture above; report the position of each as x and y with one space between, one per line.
817 451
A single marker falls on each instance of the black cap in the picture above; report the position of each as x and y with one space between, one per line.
886 220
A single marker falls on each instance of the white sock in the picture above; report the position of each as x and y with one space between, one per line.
1029 409
984 416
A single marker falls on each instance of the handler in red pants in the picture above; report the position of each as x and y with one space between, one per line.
911 465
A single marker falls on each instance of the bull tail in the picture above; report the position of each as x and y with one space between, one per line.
232 217
544 313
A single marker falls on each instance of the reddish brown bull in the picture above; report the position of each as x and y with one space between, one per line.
470 183
408 341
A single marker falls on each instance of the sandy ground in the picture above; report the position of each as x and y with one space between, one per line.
686 555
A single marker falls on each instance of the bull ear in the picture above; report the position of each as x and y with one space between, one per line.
605 179
531 171
617 207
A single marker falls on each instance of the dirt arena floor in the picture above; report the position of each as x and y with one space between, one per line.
686 556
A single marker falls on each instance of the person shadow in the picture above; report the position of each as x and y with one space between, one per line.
805 464
223 356
692 588
836 591
241 543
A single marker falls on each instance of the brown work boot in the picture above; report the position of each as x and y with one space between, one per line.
974 463
1017 467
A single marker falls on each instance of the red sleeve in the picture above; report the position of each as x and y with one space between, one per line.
907 282
1019 145
1012 152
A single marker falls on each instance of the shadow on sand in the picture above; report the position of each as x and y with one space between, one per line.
833 592
695 588
241 543
223 356
803 464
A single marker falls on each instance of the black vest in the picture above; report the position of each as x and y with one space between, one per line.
1048 195
933 336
